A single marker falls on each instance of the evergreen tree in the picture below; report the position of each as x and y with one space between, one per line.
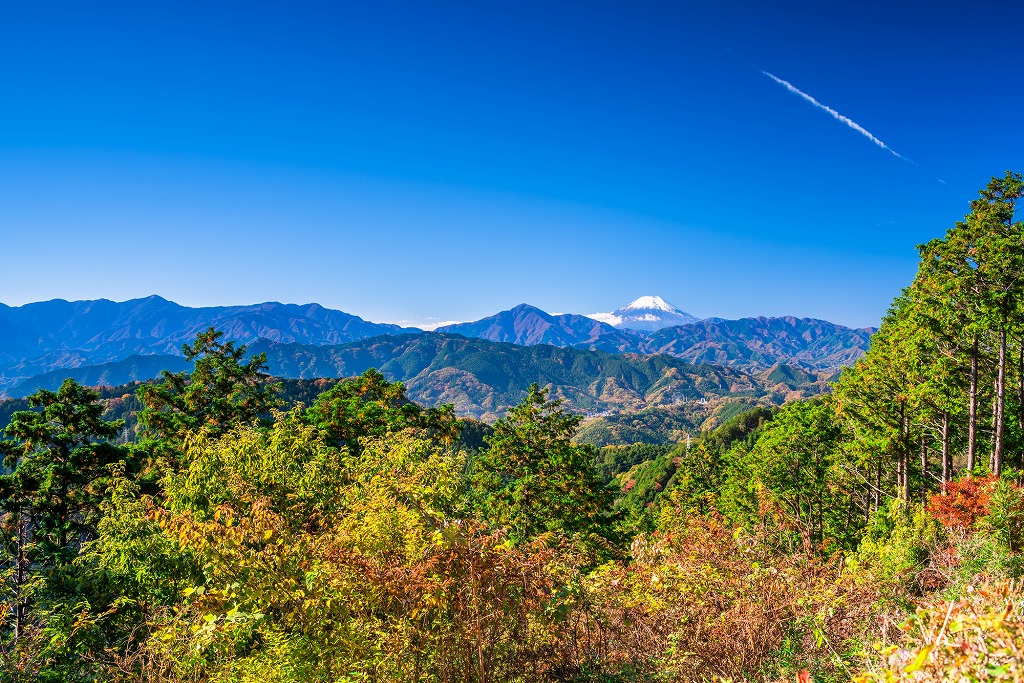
59 461
369 405
220 393
532 479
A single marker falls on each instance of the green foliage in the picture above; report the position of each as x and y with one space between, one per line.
742 428
705 478
533 479
58 467
1005 518
641 487
59 464
370 406
612 460
220 393
791 477
901 549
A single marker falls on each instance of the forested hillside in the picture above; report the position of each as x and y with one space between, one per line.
872 534
54 335
112 343
483 379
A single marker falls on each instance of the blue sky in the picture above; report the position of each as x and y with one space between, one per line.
442 161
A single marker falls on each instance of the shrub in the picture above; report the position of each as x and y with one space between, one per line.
903 550
707 600
963 503
976 638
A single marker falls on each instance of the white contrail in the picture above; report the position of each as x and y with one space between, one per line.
836 115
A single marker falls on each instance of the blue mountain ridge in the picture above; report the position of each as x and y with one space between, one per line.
54 336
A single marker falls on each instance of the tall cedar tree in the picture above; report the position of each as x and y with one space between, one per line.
532 479
59 464
942 386
220 393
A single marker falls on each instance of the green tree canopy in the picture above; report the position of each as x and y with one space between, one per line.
370 406
59 458
532 479
793 478
221 392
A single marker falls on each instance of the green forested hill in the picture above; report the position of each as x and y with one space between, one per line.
759 343
482 378
479 377
668 424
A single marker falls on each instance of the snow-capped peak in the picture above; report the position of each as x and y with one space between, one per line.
649 303
648 313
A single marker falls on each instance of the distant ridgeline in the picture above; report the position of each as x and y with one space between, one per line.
483 378
108 343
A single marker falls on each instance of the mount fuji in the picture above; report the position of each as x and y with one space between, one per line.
647 314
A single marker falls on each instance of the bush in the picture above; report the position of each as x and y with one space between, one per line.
903 550
976 638
707 600
1005 518
963 503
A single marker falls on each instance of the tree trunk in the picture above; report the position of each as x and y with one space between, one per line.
878 487
972 411
924 470
1020 385
899 473
903 480
947 460
992 427
20 578
997 453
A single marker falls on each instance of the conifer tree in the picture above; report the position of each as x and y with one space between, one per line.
220 393
532 479
59 459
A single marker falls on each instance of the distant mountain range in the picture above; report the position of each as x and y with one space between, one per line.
107 342
528 325
50 335
483 378
750 343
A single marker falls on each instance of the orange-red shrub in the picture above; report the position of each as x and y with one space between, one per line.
964 502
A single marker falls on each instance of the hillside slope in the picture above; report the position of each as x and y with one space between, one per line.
39 337
481 378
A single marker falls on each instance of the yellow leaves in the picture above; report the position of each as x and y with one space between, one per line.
919 661
975 638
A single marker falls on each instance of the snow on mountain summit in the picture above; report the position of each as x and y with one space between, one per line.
648 313
650 303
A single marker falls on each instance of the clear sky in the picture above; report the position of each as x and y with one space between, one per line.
442 161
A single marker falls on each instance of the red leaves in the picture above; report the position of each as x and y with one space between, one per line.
964 503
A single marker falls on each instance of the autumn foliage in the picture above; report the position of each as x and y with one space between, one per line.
963 503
